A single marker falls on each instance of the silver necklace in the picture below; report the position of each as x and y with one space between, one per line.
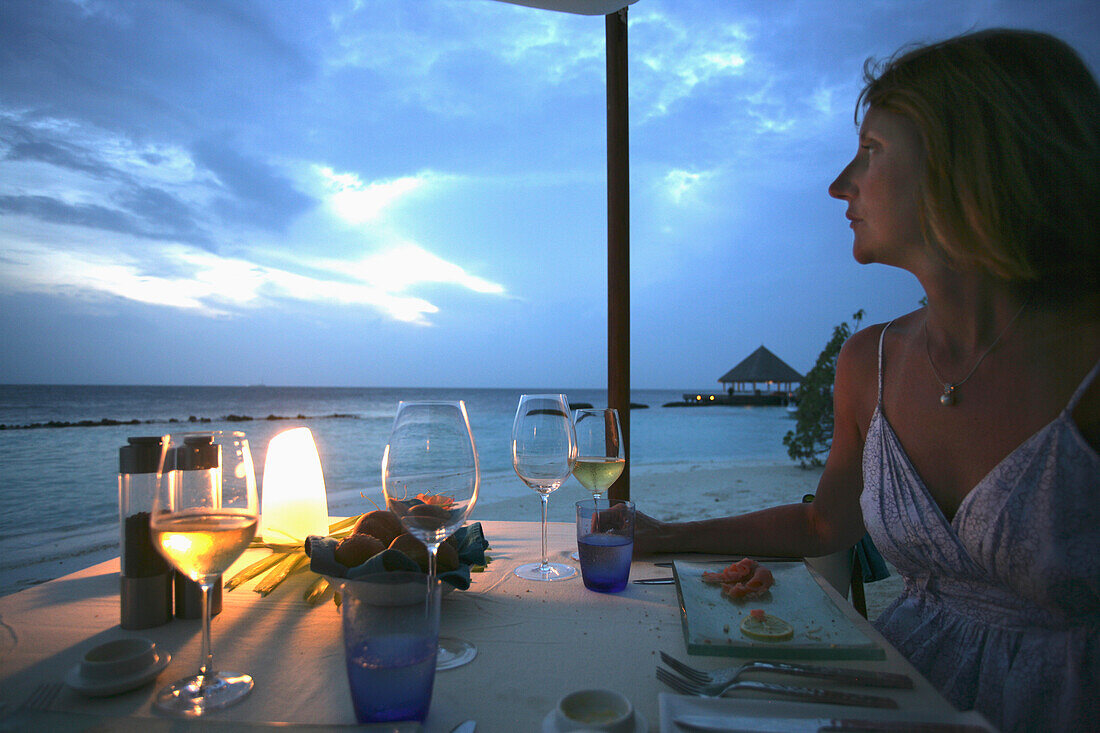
948 397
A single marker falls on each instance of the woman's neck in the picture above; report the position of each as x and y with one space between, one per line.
967 312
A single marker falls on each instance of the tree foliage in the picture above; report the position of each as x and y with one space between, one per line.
813 433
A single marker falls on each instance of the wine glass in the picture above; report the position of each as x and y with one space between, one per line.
204 515
544 450
430 477
600 459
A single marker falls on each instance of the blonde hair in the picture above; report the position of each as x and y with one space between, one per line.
1010 122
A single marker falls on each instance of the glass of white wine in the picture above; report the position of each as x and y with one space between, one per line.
204 515
430 477
544 451
600 459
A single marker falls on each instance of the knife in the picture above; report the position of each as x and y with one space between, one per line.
654 581
746 724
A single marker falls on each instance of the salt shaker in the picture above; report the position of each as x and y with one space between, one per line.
145 581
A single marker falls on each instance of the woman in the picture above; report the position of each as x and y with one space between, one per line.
967 432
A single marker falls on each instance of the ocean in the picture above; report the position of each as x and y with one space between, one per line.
59 485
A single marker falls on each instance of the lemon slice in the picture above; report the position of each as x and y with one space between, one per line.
765 627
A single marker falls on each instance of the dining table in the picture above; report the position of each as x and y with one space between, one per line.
536 642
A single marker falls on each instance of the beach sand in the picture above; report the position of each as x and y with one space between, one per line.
669 492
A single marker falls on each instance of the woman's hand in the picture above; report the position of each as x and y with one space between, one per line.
650 535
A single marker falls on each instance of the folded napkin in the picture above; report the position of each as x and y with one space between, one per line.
469 540
870 560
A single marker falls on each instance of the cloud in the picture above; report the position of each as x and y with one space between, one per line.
255 192
56 154
32 267
681 184
151 214
405 265
408 44
356 202
677 59
69 172
823 100
60 212
462 63
141 67
412 163
71 144
179 276
61 172
549 46
177 226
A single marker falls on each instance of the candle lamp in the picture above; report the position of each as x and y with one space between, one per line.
293 501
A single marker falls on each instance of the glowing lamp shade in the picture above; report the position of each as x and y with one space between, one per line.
293 503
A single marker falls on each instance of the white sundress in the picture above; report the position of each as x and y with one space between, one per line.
1001 606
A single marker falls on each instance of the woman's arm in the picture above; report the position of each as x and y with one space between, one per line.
833 521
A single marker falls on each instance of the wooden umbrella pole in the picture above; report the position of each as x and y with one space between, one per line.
618 237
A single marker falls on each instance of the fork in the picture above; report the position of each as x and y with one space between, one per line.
807 694
865 677
42 697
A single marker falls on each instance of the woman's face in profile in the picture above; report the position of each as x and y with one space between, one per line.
881 186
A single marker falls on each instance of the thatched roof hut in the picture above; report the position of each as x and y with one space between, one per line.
761 366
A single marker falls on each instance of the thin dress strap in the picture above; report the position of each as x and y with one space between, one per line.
881 337
1083 387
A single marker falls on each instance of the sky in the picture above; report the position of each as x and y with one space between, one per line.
413 193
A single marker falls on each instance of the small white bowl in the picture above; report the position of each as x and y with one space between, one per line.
117 666
595 710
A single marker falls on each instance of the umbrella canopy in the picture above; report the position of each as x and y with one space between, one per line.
618 209
579 7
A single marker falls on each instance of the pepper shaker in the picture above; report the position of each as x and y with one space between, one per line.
145 580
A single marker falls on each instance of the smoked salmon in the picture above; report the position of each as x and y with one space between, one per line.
741 580
737 572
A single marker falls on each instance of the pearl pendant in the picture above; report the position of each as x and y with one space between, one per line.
948 397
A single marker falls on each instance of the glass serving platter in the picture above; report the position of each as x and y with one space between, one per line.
712 622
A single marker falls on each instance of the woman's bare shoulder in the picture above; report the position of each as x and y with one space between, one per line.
860 351
862 344
858 363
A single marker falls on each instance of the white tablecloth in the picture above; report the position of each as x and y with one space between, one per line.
536 642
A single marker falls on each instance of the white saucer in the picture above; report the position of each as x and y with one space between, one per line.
550 724
117 685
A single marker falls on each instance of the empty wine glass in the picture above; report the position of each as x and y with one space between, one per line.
544 450
204 515
430 477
